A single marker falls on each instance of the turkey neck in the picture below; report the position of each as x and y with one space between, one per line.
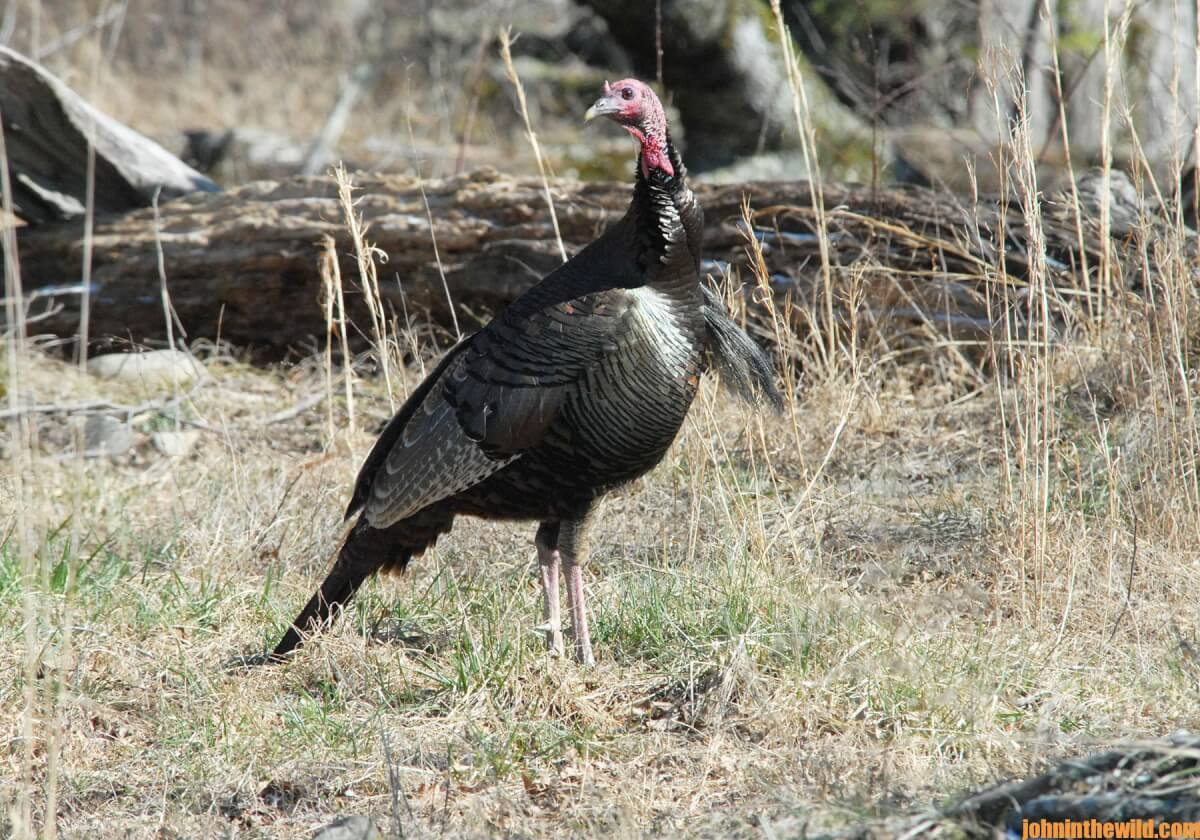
670 225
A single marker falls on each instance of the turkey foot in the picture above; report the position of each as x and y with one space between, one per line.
549 560
574 554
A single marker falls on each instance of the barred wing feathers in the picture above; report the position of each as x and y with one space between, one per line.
496 393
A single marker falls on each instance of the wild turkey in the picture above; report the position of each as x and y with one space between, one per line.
578 387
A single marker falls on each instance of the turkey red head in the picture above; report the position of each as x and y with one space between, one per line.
634 106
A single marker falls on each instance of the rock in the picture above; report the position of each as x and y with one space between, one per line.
104 435
175 444
49 130
155 367
350 828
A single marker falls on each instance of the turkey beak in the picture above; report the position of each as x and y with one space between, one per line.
603 107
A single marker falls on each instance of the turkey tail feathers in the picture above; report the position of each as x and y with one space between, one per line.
743 366
365 551
357 560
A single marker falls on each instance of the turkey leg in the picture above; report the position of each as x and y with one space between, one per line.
549 560
573 546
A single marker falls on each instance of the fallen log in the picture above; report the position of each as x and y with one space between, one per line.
244 264
46 130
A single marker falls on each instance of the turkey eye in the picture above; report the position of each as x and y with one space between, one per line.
627 93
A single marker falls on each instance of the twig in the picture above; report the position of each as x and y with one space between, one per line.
110 15
160 406
437 256
54 309
352 88
332 270
1128 585
266 528
366 254
511 71
394 784
169 317
187 421
304 405
471 86
327 307
808 146
63 408
21 812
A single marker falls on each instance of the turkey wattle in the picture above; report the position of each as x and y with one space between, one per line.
578 387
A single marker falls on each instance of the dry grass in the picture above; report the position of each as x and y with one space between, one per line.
925 575
895 635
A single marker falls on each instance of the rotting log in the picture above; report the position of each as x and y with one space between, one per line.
46 131
244 264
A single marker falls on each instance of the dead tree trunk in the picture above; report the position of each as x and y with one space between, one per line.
244 264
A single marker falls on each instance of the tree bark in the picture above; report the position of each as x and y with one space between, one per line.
244 264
